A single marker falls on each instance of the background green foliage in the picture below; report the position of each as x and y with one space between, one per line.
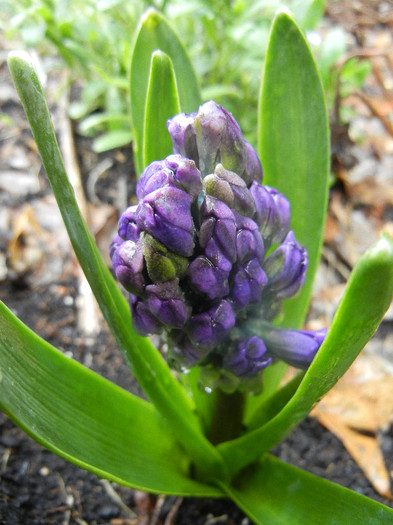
225 40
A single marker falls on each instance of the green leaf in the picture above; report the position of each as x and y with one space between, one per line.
155 33
294 143
272 405
86 419
145 361
112 139
367 297
274 493
162 102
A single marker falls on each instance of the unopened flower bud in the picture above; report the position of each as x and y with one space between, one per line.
296 347
248 284
285 268
127 228
208 329
272 213
143 321
175 171
249 242
231 189
183 134
165 301
166 214
208 278
248 358
128 265
184 351
253 170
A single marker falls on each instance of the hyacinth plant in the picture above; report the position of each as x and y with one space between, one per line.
218 258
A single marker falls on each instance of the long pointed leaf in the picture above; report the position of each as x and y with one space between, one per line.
274 493
366 299
85 418
294 143
155 33
162 102
146 363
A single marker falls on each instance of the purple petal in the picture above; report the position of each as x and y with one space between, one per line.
165 301
296 347
128 265
127 228
143 321
210 328
206 278
166 215
248 358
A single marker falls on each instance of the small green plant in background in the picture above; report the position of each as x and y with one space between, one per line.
226 41
166 444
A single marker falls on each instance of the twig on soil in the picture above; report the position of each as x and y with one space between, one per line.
157 509
116 498
171 516
4 460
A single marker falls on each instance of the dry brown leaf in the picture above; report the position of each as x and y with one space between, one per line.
362 401
26 247
364 449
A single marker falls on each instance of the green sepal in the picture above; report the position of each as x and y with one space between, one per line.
162 264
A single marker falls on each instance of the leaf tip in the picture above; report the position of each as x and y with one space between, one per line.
19 58
151 18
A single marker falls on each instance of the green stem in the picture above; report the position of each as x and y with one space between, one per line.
227 416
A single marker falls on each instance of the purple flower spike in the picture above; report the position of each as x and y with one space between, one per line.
128 264
166 215
286 268
210 328
295 347
192 254
165 302
248 358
